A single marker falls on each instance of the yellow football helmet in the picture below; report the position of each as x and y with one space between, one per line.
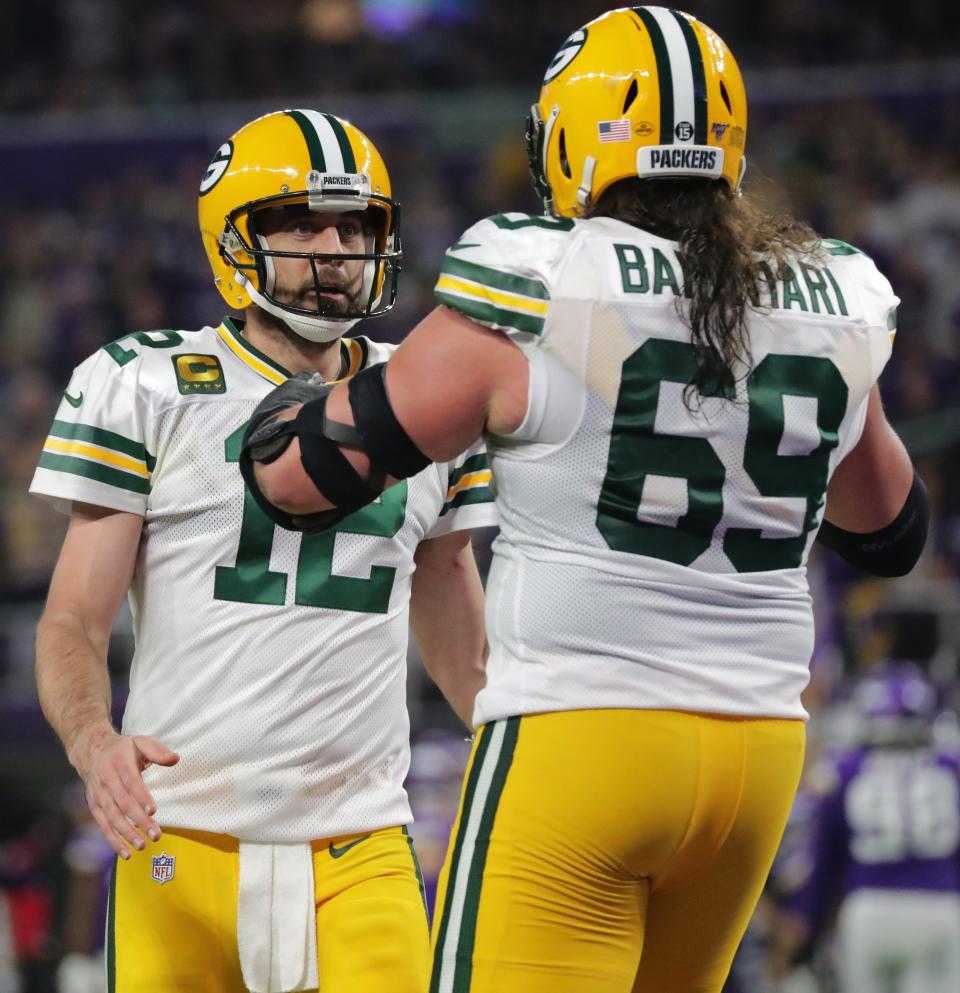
298 157
640 91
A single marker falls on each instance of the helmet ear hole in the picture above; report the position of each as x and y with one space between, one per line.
632 95
564 161
725 96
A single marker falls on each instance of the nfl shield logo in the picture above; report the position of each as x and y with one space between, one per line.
163 866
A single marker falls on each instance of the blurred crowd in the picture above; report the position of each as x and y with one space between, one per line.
104 53
98 239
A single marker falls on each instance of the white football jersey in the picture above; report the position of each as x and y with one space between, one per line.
652 552
273 662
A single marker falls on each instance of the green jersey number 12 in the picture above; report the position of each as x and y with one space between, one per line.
251 580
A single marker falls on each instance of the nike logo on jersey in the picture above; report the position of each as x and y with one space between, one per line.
456 246
343 849
73 401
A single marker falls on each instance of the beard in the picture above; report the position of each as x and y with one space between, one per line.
304 297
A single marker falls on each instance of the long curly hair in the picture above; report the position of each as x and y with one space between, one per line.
724 241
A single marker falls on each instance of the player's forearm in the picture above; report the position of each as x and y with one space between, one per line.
73 684
446 614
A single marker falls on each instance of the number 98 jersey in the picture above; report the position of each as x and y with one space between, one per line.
653 541
273 662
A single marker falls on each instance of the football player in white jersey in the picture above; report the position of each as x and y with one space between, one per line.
266 732
675 392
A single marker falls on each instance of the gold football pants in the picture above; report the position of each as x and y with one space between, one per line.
611 851
180 936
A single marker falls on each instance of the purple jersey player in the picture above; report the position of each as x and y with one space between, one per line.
885 844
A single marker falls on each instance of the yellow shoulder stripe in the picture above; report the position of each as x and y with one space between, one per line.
97 454
502 298
467 482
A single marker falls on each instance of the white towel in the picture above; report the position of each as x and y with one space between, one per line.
277 918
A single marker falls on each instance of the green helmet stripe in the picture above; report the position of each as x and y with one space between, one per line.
664 75
699 79
310 136
349 160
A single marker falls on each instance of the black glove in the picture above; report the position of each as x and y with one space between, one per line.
266 438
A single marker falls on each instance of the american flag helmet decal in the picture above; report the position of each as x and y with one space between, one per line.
613 130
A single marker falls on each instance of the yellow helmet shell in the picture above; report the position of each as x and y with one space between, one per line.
289 156
640 91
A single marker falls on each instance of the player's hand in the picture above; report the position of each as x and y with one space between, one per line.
119 800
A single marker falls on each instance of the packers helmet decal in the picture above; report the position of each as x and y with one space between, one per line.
318 162
216 169
568 52
652 92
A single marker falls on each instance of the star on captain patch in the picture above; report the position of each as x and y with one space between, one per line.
163 867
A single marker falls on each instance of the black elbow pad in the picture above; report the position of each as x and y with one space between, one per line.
376 432
891 551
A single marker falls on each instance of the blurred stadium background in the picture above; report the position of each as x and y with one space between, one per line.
108 115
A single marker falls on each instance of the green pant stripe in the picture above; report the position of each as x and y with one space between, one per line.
699 79
111 936
482 745
416 868
664 75
310 136
471 901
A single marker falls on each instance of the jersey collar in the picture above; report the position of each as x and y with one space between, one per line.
353 354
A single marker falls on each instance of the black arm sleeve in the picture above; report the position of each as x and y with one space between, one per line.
891 551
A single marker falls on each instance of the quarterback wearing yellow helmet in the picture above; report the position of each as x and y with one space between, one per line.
255 795
290 164
679 396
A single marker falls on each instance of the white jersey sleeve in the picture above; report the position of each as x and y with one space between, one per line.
98 450
498 274
873 299
469 500
873 302
501 274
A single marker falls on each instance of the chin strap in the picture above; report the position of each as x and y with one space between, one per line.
315 329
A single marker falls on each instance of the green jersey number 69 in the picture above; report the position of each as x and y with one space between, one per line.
638 450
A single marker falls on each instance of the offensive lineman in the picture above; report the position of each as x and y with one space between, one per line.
267 692
675 392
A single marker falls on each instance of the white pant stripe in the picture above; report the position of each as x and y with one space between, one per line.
461 871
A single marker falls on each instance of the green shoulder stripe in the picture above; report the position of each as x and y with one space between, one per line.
529 221
487 313
834 246
466 498
475 463
94 470
105 439
495 278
